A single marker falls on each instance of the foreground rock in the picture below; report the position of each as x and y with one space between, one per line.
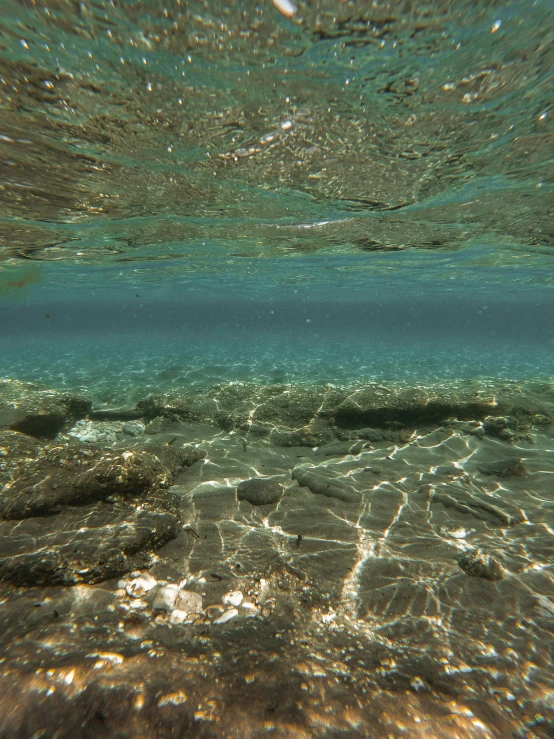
260 491
72 516
38 412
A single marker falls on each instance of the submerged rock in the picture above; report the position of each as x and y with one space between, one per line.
478 563
70 477
505 468
320 484
74 516
260 490
132 428
87 543
478 505
26 408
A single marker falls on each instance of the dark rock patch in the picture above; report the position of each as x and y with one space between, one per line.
478 505
39 413
505 468
320 484
260 491
87 543
73 477
478 563
77 515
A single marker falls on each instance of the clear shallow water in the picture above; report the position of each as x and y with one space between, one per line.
204 193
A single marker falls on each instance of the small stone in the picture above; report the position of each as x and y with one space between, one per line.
114 499
233 598
177 616
188 601
514 467
165 598
133 429
172 699
260 491
459 533
141 585
227 616
545 606
214 610
478 563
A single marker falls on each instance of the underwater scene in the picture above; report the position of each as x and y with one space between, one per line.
276 369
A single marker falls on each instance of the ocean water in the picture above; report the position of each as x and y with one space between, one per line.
298 259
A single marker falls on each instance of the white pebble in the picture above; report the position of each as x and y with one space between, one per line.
141 585
166 597
285 7
233 598
545 606
459 533
227 616
188 601
177 616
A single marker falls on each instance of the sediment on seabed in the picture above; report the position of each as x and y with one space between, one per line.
370 560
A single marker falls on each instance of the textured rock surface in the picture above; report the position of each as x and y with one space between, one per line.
481 564
39 412
299 415
412 591
69 515
260 491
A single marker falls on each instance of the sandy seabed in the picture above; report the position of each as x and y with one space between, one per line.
369 565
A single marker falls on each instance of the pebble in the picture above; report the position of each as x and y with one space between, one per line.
233 598
459 533
286 8
188 601
132 428
177 616
227 616
141 585
214 610
479 563
173 699
165 598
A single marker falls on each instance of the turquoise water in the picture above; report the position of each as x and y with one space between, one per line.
255 211
206 152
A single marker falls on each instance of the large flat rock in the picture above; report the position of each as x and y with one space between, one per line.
70 515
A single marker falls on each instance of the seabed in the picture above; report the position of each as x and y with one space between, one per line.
286 560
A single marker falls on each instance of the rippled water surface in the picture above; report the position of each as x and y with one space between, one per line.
276 339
